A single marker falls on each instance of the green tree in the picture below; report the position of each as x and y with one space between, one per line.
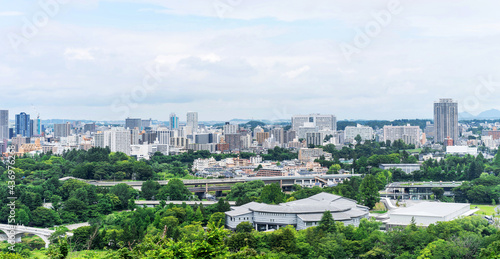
369 191
272 194
149 189
124 192
244 226
327 223
438 192
174 190
358 139
43 217
218 218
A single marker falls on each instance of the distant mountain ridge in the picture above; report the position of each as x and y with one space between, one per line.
492 114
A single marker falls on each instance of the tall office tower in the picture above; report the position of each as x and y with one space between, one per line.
163 136
132 123
278 135
234 141
119 140
89 127
445 120
261 137
149 137
314 138
146 123
134 137
289 135
174 121
323 122
409 134
36 128
4 124
230 129
192 121
23 126
62 130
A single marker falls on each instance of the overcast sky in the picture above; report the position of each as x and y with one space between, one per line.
247 59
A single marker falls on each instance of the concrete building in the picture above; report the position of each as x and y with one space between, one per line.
90 127
301 214
351 132
445 120
307 128
163 136
4 124
117 139
289 135
426 213
278 134
314 138
132 123
192 121
146 123
323 122
230 128
461 150
261 137
310 154
62 130
234 141
407 168
409 134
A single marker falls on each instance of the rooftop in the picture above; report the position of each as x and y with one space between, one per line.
431 209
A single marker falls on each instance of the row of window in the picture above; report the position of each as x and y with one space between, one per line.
272 214
239 218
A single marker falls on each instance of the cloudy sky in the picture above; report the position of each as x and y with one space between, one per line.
106 60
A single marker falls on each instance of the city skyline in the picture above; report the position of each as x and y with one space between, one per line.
254 60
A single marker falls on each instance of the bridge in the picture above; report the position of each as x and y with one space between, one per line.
156 203
206 185
16 231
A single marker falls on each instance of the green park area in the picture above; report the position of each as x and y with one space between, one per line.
485 209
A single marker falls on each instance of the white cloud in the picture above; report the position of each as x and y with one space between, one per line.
297 72
78 54
11 13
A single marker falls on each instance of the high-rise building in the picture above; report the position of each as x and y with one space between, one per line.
36 126
323 122
230 128
409 134
192 121
365 132
90 127
146 123
445 120
261 137
314 138
132 123
163 136
278 135
4 124
234 141
23 124
117 139
289 135
174 121
62 130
